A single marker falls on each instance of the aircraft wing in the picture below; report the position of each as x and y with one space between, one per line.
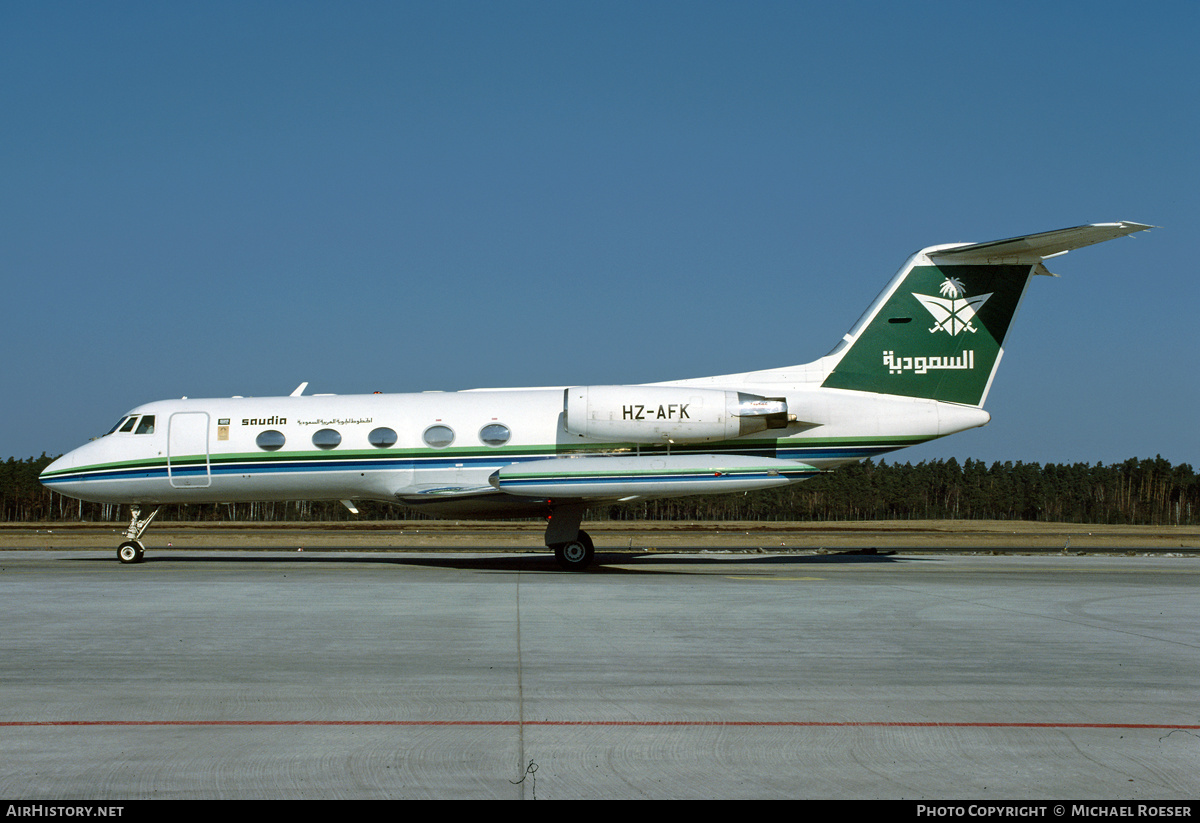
473 502
1035 247
527 488
607 478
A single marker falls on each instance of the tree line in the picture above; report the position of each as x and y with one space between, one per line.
1135 492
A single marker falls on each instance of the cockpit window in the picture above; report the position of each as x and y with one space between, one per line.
116 426
128 427
146 426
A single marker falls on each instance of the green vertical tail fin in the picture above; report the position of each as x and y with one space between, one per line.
938 329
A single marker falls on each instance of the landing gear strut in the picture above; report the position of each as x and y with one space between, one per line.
572 546
132 550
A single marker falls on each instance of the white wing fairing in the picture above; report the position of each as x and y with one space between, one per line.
659 476
917 366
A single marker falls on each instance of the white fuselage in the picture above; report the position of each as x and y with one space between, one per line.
378 446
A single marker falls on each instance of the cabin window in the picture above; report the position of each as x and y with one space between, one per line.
326 439
128 427
494 434
438 437
146 426
382 437
270 440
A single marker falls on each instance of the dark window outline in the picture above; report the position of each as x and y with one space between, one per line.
395 438
330 444
270 447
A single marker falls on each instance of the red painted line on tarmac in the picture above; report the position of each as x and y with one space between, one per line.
609 723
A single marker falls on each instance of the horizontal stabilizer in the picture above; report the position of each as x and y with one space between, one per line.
1035 247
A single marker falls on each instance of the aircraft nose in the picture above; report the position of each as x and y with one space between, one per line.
57 475
55 466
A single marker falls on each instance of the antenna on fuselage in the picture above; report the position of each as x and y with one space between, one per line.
299 390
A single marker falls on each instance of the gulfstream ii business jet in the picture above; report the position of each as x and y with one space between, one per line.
916 366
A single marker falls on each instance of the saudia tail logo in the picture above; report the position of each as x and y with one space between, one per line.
954 313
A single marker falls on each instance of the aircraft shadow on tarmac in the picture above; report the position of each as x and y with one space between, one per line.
623 562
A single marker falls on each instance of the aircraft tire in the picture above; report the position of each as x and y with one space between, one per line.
131 551
575 555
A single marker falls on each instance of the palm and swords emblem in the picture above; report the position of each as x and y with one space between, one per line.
954 311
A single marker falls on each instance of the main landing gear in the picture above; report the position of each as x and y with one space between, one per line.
575 555
132 550
572 546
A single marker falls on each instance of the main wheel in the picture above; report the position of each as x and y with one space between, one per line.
575 555
131 551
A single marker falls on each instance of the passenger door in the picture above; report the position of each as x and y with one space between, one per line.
187 450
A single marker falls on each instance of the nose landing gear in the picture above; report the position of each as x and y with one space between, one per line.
132 550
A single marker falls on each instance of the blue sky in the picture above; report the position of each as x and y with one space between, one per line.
217 198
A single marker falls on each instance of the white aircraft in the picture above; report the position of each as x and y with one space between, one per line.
916 366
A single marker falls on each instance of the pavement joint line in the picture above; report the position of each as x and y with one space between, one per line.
899 724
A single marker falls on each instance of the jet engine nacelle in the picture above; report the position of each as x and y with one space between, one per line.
669 414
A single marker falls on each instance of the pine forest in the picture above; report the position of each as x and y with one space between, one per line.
1135 492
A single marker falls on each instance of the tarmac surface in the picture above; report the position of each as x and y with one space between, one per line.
463 671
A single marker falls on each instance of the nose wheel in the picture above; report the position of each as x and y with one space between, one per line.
131 551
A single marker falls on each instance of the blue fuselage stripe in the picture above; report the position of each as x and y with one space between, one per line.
159 469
